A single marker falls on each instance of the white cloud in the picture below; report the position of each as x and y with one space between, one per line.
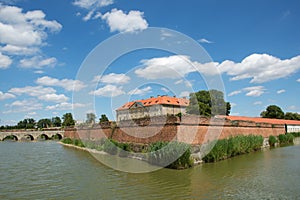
117 20
298 80
176 66
67 84
165 89
141 92
24 29
280 91
234 93
54 97
260 68
203 40
108 91
254 91
165 34
37 62
19 50
257 103
88 16
34 91
4 96
65 106
5 61
112 78
233 105
23 106
185 94
89 4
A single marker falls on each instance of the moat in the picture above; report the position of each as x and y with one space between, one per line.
48 170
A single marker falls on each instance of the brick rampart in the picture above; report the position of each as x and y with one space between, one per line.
190 129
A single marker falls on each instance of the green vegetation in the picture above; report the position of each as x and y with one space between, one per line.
276 112
296 134
272 141
208 103
285 139
161 153
234 146
103 118
68 120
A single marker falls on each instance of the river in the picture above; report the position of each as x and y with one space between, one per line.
48 170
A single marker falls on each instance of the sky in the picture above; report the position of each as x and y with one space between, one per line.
52 59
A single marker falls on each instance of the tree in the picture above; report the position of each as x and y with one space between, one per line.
208 103
56 121
68 120
273 111
44 123
26 123
90 118
103 118
292 116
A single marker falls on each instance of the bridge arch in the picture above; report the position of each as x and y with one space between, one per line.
56 136
10 138
43 136
27 137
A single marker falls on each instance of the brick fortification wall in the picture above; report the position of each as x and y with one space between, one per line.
190 129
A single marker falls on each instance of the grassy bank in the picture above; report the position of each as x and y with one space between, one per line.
234 146
163 154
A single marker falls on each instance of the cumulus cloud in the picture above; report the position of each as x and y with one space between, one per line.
203 40
23 34
260 68
119 21
23 106
54 97
5 61
112 78
176 66
4 96
298 80
141 92
254 91
90 4
65 106
34 91
37 62
185 94
24 29
108 91
280 91
67 84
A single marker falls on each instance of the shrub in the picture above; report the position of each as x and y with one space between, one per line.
166 155
272 140
234 146
282 139
296 134
290 138
78 142
67 141
110 147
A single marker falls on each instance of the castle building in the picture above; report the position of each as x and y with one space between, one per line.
154 106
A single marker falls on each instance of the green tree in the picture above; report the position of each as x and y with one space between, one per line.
56 121
273 111
103 118
26 123
292 116
208 103
44 123
90 118
68 120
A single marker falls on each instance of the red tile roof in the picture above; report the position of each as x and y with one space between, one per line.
159 100
261 120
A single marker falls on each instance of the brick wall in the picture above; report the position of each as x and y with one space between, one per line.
189 129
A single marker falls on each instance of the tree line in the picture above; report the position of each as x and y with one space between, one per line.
275 112
67 120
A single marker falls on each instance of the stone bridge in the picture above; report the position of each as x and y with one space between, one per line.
32 135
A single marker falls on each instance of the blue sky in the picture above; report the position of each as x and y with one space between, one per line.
254 45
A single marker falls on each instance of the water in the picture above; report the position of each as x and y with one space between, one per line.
48 170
